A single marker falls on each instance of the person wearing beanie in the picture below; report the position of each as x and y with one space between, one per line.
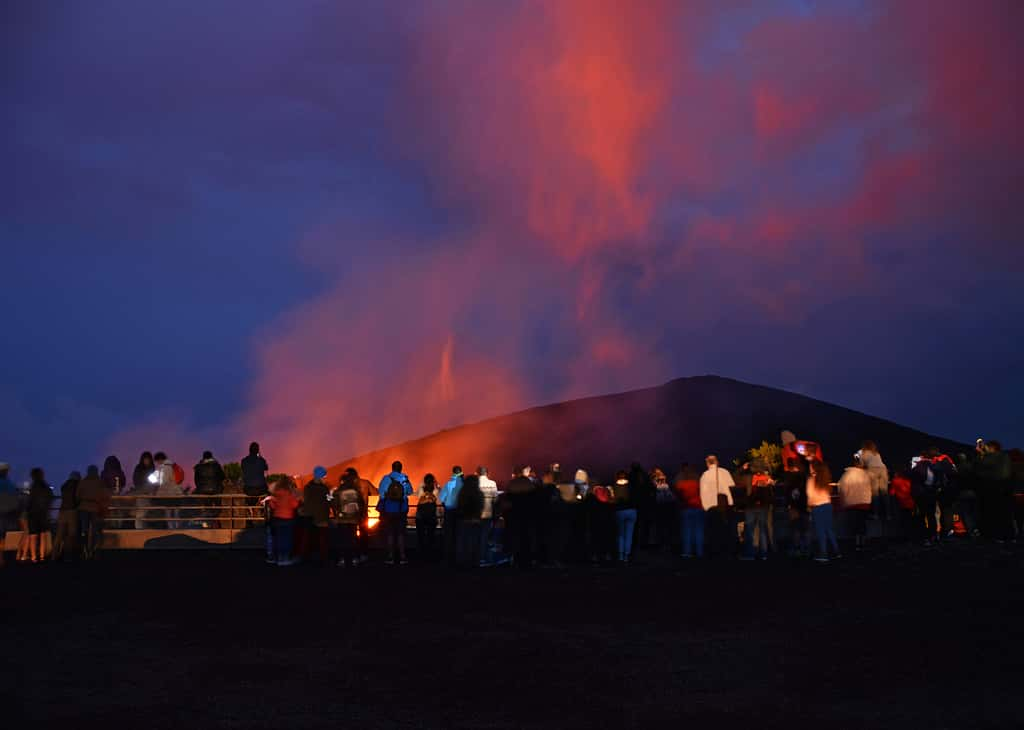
316 503
93 502
67 518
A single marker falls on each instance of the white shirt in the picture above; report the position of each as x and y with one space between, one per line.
490 491
713 482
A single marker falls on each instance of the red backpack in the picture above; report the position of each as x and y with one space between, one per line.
179 475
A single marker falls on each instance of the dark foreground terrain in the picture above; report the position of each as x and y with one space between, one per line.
913 639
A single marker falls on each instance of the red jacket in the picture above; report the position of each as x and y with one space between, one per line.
689 493
900 490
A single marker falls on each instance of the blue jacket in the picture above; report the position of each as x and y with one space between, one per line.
449 495
386 505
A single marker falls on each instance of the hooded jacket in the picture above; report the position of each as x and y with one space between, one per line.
113 475
877 471
93 495
449 495
855 488
165 485
209 477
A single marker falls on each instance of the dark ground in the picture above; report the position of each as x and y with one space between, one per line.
917 638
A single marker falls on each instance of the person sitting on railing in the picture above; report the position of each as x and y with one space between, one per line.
254 472
142 485
113 475
166 484
209 481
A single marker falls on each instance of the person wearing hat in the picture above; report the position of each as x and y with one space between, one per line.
67 518
316 507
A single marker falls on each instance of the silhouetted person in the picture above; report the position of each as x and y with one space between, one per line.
316 509
254 472
40 495
471 507
426 519
449 499
393 506
209 480
93 502
65 540
521 518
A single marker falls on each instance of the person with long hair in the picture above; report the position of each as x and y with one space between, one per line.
819 501
66 539
38 511
426 518
141 485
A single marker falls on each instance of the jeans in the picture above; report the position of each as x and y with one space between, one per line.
91 525
692 528
467 551
822 518
926 506
755 531
284 534
625 521
449 534
348 543
67 533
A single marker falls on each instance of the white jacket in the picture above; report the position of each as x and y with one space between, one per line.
490 491
163 479
877 471
713 482
854 487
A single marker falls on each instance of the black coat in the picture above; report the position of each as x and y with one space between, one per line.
209 477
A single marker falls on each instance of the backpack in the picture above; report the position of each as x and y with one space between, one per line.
179 475
348 502
395 491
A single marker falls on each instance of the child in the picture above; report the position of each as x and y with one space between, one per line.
283 505
426 518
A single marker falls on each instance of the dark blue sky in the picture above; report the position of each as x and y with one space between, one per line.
327 226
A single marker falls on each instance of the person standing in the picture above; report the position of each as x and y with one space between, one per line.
349 509
470 507
40 495
366 491
856 493
759 499
283 505
691 512
878 473
93 501
819 500
426 519
520 523
489 490
716 486
10 506
317 509
66 538
393 506
901 494
666 513
449 499
625 514
641 490
995 476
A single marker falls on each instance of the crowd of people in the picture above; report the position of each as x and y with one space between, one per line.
469 521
